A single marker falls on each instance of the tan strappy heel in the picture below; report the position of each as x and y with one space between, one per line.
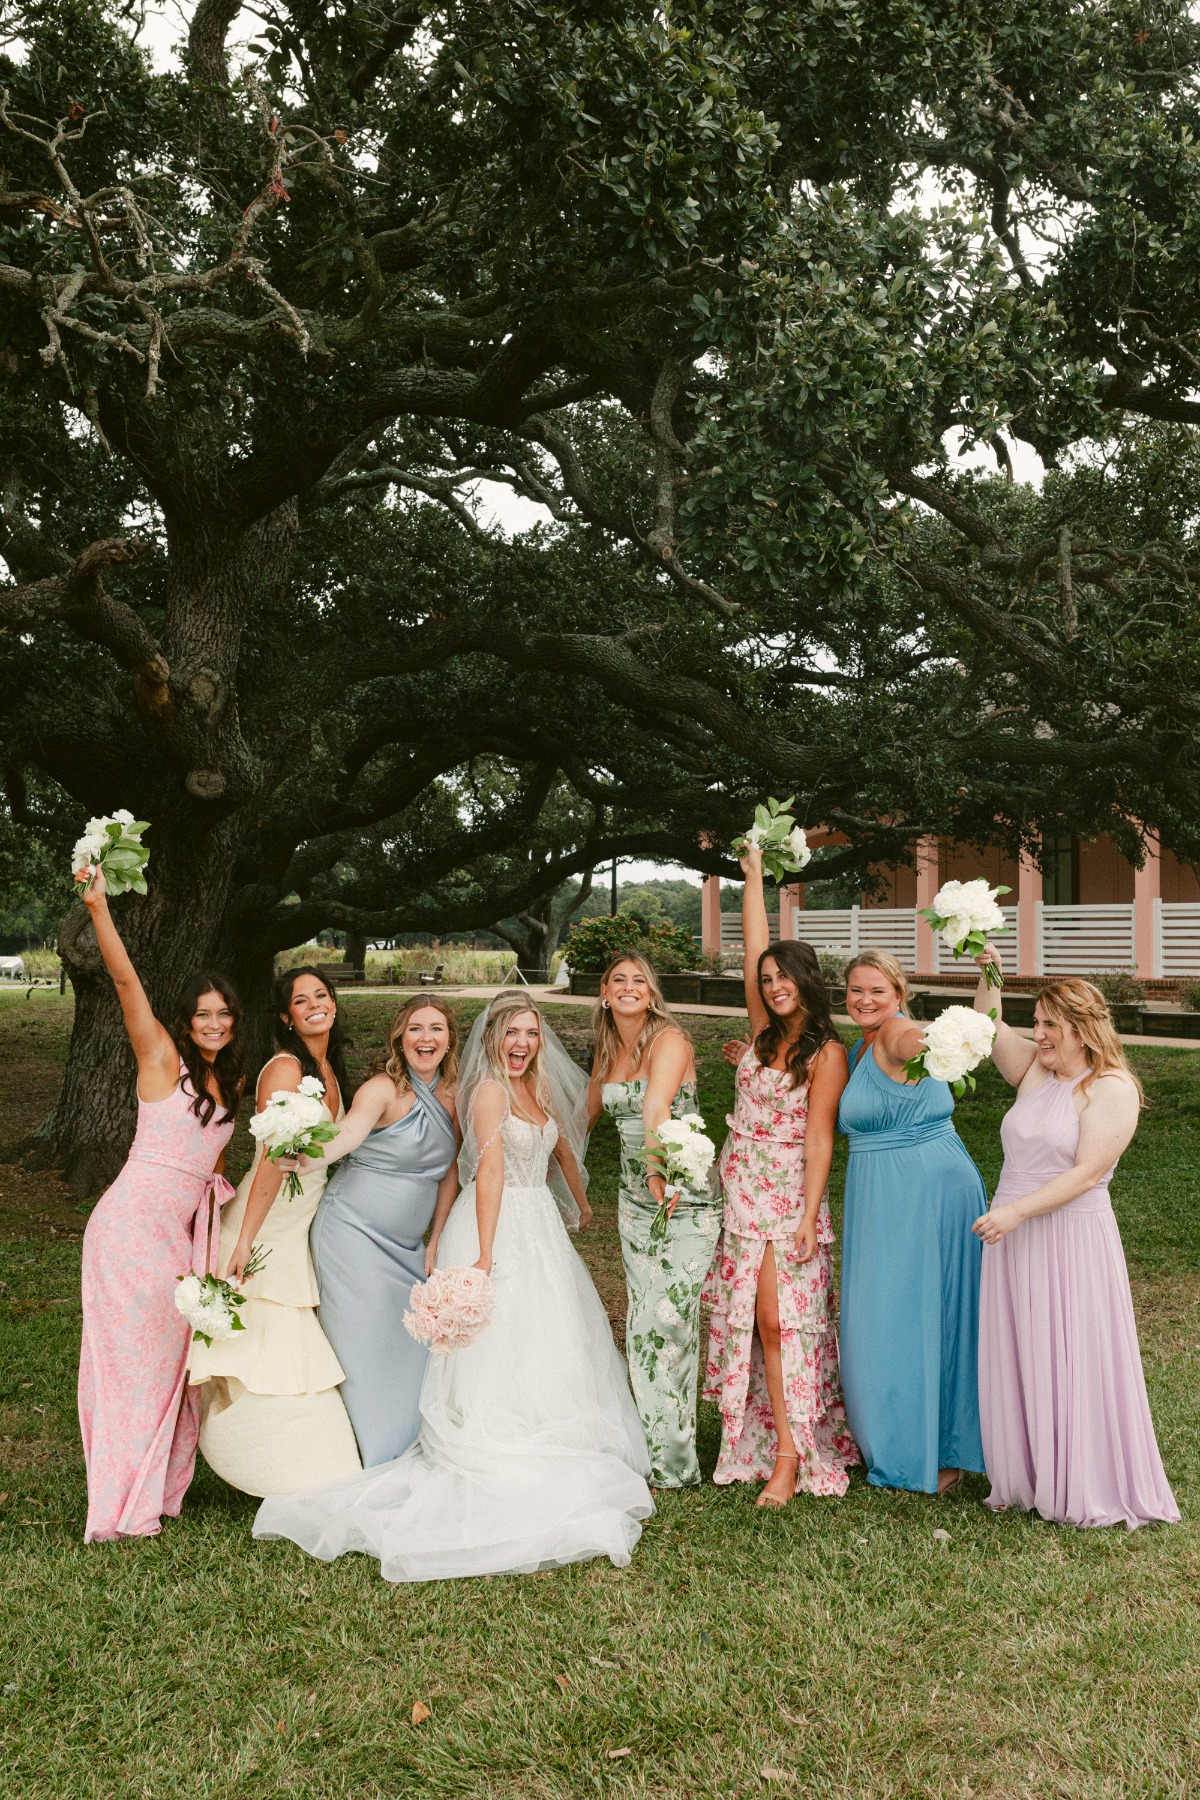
765 1499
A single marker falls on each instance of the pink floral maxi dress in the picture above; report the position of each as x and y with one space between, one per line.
138 1418
762 1179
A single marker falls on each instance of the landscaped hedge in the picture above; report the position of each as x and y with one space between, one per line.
594 942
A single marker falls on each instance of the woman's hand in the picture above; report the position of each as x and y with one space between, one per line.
751 861
586 1215
96 889
992 1226
734 1049
804 1246
989 954
235 1268
431 1250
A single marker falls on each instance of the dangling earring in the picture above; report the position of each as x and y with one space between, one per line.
604 1004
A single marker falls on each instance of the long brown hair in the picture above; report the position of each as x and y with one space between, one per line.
887 966
226 1065
1075 1002
289 1039
798 962
394 1063
659 1018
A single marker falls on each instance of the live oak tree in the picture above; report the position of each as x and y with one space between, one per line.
676 275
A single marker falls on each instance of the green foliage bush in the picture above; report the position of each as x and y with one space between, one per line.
594 942
1120 987
1189 996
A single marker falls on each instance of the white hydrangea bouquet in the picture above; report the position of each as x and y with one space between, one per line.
956 1042
450 1309
294 1124
209 1303
965 914
775 832
683 1155
113 844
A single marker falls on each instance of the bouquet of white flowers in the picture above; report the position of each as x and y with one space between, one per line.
956 1042
209 1304
114 845
683 1156
966 914
783 844
293 1124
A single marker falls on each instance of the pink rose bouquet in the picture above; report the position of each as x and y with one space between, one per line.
450 1309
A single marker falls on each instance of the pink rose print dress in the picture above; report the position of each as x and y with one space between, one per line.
762 1177
138 1418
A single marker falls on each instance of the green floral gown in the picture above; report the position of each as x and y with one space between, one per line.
664 1282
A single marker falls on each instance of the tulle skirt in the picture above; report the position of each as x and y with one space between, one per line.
530 1452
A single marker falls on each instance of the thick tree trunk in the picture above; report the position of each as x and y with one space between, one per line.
170 933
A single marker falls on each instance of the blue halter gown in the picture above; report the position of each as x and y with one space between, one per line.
910 1280
367 1249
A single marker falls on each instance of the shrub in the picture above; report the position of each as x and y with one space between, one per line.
594 942
1120 987
1189 996
833 968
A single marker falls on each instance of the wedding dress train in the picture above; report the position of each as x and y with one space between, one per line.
530 1452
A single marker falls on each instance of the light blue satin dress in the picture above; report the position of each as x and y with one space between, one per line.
910 1280
367 1250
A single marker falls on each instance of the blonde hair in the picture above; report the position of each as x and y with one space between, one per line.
1075 1002
659 1018
500 1015
887 966
394 1063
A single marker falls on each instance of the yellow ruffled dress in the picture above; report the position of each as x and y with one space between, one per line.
272 1420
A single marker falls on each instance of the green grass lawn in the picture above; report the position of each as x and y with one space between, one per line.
836 1649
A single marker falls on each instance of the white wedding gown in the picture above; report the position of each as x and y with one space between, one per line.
530 1452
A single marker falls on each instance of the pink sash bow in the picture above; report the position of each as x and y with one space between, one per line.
206 1231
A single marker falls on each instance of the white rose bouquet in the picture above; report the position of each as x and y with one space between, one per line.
775 832
683 1155
113 844
209 1303
956 1042
965 913
294 1124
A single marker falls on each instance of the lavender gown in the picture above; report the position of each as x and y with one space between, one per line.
1066 1423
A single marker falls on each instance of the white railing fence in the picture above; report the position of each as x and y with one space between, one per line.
1069 940
1176 937
1074 940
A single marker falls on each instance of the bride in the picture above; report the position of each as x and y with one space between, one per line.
530 1452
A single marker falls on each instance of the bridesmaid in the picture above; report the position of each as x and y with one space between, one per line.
271 1418
1067 1430
400 1140
910 1260
136 1415
644 1071
772 1364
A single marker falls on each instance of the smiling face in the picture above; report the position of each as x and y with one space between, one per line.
1059 1046
519 1045
871 999
780 993
627 991
311 1009
212 1024
425 1041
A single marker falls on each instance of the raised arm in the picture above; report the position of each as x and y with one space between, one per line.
487 1115
756 936
153 1045
829 1074
1106 1128
1012 1054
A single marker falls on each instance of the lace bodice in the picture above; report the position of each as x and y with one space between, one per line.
527 1150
